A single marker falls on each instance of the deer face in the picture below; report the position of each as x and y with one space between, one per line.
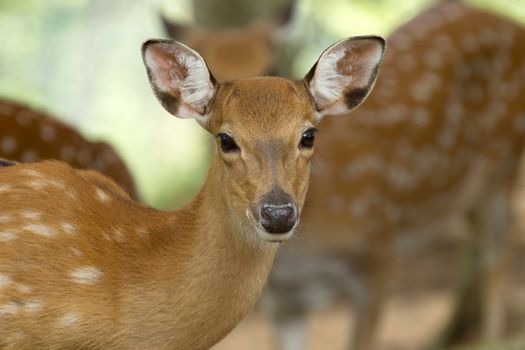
264 127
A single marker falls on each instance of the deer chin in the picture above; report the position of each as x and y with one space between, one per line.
267 236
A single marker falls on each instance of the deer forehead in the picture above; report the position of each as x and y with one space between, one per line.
264 106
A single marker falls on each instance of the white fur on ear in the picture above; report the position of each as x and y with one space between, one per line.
345 74
328 84
179 77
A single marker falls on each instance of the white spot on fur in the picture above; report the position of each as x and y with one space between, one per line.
366 164
67 153
469 42
29 156
68 228
357 207
40 184
71 193
443 42
32 306
4 218
68 320
4 187
142 232
119 234
31 172
40 229
86 275
433 59
5 281
84 156
8 144
48 133
23 118
24 289
102 196
31 214
423 89
8 309
400 177
421 117
6 236
76 252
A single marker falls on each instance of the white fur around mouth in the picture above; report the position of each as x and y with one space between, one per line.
270 237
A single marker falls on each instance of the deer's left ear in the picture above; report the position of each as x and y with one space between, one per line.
180 78
344 74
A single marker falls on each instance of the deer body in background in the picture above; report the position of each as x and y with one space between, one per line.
438 139
28 136
235 52
84 267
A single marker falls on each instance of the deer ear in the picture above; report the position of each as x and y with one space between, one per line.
180 78
345 74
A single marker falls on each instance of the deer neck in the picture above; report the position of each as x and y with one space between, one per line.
223 270
226 238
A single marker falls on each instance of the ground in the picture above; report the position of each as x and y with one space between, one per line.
413 316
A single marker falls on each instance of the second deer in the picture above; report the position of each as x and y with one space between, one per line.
84 267
438 140
28 135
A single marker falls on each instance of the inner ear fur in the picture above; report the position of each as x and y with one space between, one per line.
179 78
345 73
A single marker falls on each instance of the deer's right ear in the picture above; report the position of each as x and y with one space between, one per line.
344 74
180 78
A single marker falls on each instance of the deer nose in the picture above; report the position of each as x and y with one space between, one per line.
278 218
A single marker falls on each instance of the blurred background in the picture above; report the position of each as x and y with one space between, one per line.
79 60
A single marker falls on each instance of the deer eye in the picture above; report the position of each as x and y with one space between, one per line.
227 143
308 138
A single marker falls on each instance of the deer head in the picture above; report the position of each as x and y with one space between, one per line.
264 127
236 52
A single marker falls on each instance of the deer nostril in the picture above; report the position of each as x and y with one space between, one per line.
278 218
277 212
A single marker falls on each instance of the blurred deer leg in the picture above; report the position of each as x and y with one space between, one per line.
480 306
496 236
291 332
368 298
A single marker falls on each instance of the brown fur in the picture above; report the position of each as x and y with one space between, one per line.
235 53
84 267
177 280
27 126
184 285
357 215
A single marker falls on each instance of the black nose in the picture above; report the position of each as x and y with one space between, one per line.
278 218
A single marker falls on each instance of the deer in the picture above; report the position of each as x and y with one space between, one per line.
238 52
29 135
434 149
84 267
